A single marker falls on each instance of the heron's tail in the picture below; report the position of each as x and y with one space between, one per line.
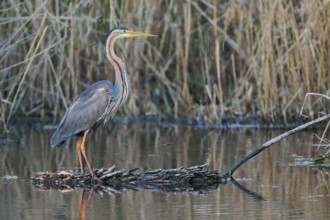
57 139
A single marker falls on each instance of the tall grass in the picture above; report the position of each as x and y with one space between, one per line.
212 59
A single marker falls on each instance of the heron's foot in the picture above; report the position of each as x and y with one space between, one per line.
94 177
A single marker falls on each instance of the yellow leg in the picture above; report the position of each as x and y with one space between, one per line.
78 144
82 149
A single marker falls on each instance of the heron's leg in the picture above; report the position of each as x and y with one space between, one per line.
82 148
78 145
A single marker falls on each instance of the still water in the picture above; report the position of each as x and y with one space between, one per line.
277 184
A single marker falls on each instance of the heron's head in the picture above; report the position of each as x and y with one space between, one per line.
122 32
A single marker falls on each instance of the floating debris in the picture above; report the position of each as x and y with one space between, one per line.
109 180
9 177
322 156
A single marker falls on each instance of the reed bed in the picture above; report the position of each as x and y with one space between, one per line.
212 59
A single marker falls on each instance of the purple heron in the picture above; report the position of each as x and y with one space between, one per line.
98 103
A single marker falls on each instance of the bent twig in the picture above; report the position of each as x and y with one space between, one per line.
271 142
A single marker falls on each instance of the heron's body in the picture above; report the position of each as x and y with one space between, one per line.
97 103
94 101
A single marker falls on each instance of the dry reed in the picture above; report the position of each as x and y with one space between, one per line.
213 59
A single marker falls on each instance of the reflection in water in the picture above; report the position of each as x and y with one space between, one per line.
287 191
82 204
248 192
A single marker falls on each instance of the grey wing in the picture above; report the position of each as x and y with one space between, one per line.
85 112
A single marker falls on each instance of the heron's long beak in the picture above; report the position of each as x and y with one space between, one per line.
141 34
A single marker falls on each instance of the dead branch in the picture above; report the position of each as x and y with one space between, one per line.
306 96
271 142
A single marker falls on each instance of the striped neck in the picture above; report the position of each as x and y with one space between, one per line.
121 84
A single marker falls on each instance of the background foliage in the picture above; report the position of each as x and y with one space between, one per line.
212 60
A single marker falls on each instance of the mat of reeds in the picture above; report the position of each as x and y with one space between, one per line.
196 178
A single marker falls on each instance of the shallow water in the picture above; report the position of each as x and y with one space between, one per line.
277 184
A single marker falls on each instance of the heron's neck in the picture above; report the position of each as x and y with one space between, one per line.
121 84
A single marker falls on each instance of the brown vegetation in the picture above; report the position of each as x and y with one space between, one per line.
212 58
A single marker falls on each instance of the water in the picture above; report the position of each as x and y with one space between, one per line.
277 184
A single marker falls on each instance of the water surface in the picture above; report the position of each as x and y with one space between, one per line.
277 184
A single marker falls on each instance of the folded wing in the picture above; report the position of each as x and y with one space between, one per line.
84 113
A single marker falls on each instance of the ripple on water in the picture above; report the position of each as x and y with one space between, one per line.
300 161
9 177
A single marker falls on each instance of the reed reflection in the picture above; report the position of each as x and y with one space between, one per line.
301 191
